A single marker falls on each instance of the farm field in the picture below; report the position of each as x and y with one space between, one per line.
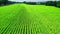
29 19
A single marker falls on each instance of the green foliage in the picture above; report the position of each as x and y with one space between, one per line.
3 2
51 3
58 4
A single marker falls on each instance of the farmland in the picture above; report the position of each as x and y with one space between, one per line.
29 19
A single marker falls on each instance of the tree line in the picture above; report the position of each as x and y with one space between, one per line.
47 3
5 2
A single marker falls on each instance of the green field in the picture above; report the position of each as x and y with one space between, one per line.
29 19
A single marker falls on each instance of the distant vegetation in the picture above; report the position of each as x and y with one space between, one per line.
47 3
53 3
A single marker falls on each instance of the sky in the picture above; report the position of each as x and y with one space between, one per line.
30 0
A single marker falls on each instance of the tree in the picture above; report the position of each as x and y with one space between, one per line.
58 4
3 2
